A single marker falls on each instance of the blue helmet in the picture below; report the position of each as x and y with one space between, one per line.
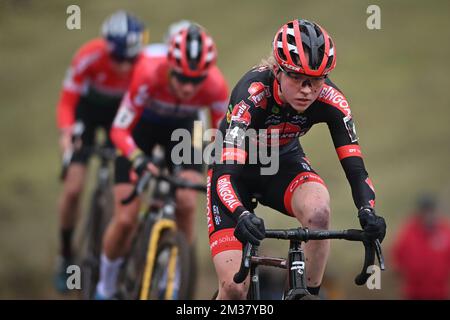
125 35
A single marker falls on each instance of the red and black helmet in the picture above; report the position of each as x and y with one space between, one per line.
298 39
192 51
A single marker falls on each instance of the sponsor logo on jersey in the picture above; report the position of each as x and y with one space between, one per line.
217 219
332 96
226 193
223 240
286 132
351 129
351 150
273 119
298 119
259 94
240 113
234 154
275 109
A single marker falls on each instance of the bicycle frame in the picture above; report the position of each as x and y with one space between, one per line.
295 265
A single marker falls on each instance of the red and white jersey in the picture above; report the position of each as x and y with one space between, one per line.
150 90
91 69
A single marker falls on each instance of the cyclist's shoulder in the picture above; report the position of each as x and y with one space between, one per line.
260 74
333 99
90 53
253 83
95 46
150 70
215 86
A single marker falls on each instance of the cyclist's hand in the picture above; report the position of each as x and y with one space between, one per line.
250 228
142 163
373 225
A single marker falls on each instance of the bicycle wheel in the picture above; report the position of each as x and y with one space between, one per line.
192 279
99 214
171 269
133 269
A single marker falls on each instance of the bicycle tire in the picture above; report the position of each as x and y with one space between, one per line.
193 269
171 243
133 268
99 214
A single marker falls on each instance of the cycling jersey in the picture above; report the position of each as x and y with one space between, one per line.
255 104
91 76
234 181
150 96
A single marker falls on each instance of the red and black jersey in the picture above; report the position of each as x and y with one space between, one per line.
151 96
255 104
91 76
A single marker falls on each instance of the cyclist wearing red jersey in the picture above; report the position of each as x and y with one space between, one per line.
95 82
166 94
284 98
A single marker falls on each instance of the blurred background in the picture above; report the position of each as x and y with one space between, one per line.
396 80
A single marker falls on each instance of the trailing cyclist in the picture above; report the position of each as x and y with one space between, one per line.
166 94
95 82
284 97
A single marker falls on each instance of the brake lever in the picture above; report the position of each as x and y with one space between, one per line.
138 189
244 269
142 183
247 255
379 253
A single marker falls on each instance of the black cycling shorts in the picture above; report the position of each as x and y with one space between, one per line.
147 135
274 191
92 117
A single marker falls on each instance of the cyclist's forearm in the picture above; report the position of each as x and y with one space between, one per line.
124 122
363 191
124 141
65 111
227 188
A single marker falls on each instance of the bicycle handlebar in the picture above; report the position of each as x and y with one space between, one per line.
303 234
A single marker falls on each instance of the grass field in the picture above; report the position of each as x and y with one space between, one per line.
396 80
